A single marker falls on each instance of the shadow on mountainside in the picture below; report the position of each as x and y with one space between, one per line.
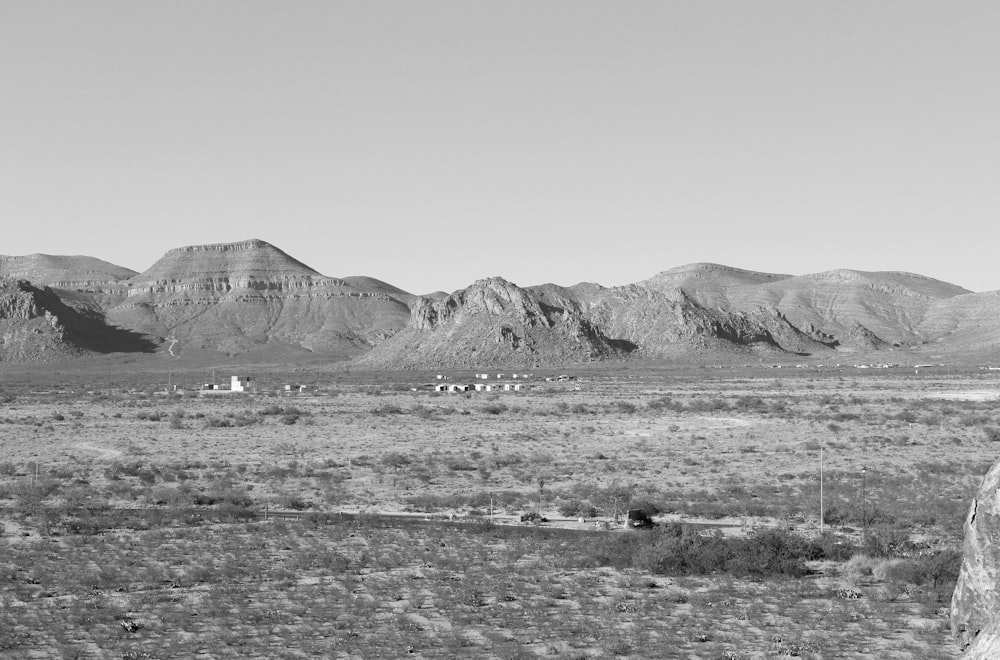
88 329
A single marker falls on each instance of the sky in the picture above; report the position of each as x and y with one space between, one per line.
430 144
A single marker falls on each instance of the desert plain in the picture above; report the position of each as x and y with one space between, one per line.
370 517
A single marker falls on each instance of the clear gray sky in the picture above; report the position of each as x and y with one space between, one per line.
433 143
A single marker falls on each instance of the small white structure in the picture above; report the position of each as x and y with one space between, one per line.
455 387
481 387
441 388
482 376
241 384
512 387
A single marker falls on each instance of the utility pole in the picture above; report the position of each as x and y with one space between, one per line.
864 504
821 488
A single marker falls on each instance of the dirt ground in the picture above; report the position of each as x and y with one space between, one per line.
737 448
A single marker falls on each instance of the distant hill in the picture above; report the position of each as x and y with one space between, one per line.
891 305
63 271
250 298
494 322
237 297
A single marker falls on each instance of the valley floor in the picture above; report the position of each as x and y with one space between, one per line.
901 454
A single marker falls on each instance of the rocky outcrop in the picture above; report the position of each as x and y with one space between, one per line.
975 604
37 326
860 338
493 323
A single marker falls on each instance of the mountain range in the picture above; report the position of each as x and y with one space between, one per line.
250 299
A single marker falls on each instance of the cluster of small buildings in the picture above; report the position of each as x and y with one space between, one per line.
480 387
236 384
485 387
485 376
248 384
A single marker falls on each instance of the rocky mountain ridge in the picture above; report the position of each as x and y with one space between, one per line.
37 326
249 297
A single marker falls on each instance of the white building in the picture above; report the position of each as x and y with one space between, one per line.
241 384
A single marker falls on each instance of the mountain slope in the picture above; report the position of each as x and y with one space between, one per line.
36 326
492 323
237 297
891 305
63 272
253 299
967 323
708 284
662 323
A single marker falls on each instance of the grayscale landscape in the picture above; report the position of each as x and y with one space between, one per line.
492 330
449 475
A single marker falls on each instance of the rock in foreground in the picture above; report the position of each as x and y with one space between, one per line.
975 605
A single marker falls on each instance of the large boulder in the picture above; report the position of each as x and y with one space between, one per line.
975 605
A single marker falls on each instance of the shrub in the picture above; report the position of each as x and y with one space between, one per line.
772 551
577 508
834 547
937 571
388 409
624 407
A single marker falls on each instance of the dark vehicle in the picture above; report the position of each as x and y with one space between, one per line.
637 519
533 517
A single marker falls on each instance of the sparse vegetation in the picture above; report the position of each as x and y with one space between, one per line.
742 453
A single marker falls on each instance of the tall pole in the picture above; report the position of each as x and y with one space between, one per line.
821 488
864 504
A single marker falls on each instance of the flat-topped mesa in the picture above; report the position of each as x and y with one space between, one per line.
252 265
